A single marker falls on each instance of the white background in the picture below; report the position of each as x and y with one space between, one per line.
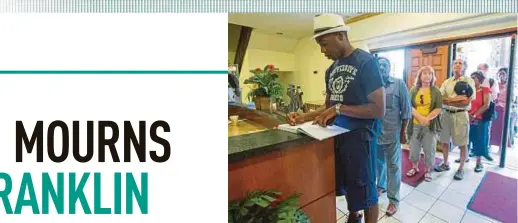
192 185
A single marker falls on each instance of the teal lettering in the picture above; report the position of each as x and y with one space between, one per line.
97 196
27 186
58 197
77 193
4 194
117 193
132 189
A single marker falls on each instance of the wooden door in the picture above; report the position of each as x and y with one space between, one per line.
436 57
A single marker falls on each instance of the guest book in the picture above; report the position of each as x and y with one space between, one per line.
315 131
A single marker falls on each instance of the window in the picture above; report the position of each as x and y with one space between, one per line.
397 62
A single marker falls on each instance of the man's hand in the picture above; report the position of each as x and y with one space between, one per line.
323 118
454 99
402 136
295 118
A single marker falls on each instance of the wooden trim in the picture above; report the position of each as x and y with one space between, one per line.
361 17
242 45
450 40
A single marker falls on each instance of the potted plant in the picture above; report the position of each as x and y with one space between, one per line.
266 206
268 87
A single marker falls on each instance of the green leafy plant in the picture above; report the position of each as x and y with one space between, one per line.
267 81
266 206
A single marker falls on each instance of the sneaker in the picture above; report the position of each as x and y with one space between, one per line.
458 160
442 167
479 167
459 175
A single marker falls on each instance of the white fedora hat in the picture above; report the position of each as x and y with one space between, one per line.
328 23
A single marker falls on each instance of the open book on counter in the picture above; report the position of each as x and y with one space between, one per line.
314 131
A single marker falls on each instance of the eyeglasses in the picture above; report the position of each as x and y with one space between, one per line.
421 97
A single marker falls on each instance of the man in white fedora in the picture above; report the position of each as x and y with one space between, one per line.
355 99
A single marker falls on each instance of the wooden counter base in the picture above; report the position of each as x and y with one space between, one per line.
307 169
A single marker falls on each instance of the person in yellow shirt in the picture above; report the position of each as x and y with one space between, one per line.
423 131
423 101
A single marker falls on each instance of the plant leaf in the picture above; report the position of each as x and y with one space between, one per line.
268 198
262 203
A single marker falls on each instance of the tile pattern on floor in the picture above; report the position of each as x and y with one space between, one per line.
442 200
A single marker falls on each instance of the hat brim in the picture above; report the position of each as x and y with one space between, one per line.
333 30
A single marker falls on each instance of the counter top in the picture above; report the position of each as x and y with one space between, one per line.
243 146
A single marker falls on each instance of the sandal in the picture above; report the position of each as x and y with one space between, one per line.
391 209
427 177
412 172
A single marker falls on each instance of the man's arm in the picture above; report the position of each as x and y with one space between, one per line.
404 102
466 102
374 109
445 99
460 103
406 109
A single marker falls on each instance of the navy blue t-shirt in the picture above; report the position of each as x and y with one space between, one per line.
349 81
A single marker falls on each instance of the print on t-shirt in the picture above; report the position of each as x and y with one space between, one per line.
339 79
348 81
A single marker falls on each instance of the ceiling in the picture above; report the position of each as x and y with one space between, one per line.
291 25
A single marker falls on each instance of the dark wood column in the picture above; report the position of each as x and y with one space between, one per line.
244 38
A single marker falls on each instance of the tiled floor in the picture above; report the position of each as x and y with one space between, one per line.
443 199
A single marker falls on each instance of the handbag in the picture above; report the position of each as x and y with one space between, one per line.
490 114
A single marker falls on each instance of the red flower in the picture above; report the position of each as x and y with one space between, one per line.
270 67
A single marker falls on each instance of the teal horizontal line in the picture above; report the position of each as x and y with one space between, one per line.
113 72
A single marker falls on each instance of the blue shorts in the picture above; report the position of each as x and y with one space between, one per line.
355 168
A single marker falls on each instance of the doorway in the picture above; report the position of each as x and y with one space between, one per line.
496 53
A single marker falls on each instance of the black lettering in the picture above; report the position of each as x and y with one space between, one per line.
50 141
159 140
103 142
21 138
89 143
130 137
